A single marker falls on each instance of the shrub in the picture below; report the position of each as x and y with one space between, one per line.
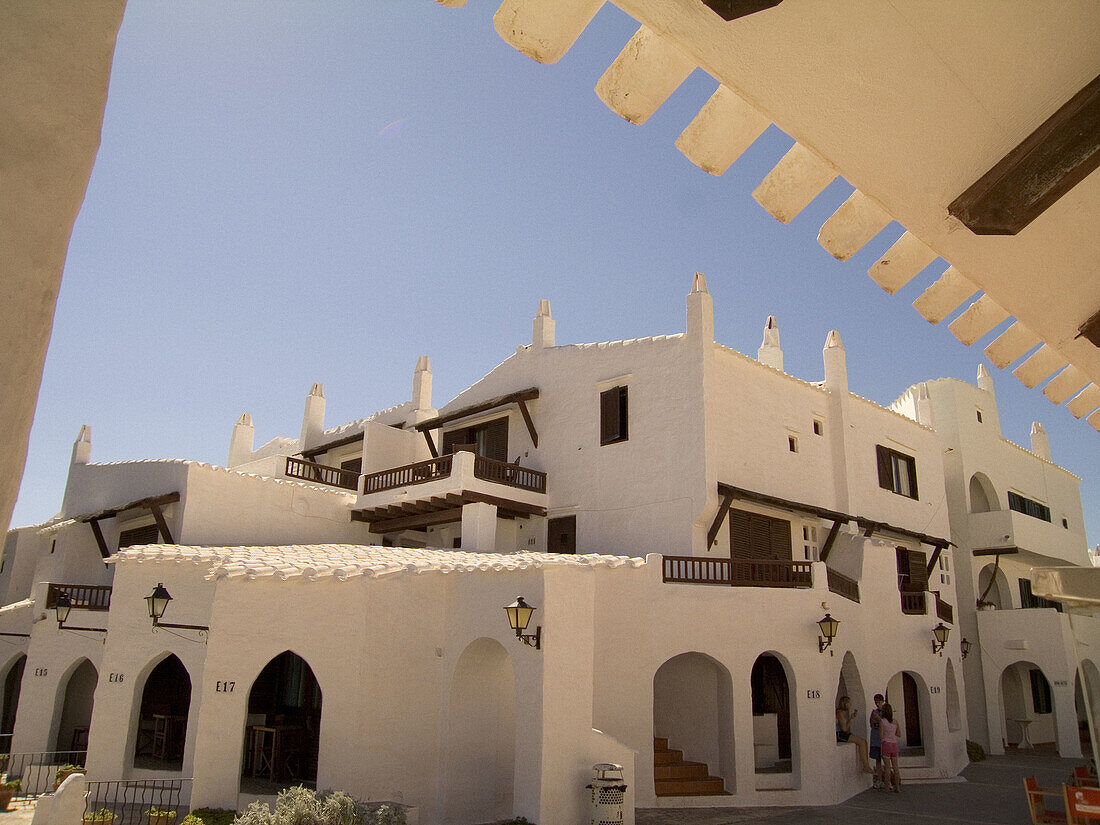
302 806
974 751
210 816
104 816
14 785
167 812
65 770
384 814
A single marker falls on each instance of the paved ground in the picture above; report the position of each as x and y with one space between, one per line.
993 794
18 814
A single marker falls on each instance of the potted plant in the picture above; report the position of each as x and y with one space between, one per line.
161 816
7 791
64 772
104 816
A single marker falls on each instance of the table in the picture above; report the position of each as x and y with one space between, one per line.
1025 740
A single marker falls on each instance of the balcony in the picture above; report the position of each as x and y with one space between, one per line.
842 585
432 492
321 474
737 572
1008 528
914 603
83 596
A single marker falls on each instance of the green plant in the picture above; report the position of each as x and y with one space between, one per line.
210 816
104 815
384 814
165 812
65 770
302 806
14 785
974 751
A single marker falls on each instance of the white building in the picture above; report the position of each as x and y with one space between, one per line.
681 516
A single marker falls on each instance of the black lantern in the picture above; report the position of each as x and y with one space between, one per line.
939 641
62 607
964 646
157 602
828 626
519 616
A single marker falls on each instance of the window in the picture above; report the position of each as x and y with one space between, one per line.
1041 700
809 542
1030 600
792 444
1028 507
945 569
1065 523
979 414
613 416
355 465
561 535
489 439
897 472
819 427
756 536
138 535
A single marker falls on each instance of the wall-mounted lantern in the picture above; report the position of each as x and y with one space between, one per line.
519 616
62 609
939 637
828 626
157 602
964 646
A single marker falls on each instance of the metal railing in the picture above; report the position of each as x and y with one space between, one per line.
737 572
37 772
131 801
321 474
82 596
524 478
842 585
408 475
913 603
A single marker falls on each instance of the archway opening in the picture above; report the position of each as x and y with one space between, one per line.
162 719
850 684
983 496
993 590
1081 708
480 749
74 716
13 681
951 689
906 695
771 716
1028 708
693 734
282 736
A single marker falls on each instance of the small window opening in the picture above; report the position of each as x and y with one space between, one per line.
819 427
53 546
979 414
1065 523
792 443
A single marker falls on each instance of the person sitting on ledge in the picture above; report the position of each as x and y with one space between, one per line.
845 713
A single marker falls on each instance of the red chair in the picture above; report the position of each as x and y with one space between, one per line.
1036 802
1083 777
1082 804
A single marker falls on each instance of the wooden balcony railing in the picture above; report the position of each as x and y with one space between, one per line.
321 474
513 475
842 585
737 572
83 596
944 611
408 475
913 603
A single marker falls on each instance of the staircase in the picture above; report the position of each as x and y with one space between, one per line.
672 776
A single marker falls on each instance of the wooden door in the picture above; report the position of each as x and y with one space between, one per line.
912 711
561 535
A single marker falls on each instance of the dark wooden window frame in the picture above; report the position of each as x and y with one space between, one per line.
1027 506
614 415
888 461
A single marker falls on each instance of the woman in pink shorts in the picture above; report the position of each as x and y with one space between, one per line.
888 731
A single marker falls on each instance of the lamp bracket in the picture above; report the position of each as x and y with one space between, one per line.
823 644
532 639
202 630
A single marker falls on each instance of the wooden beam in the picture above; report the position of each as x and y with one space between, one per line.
782 503
530 424
719 517
934 558
995 551
167 498
103 551
431 444
517 507
827 548
395 525
162 525
1049 162
313 452
869 528
733 9
529 394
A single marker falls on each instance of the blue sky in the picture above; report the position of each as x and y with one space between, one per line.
290 192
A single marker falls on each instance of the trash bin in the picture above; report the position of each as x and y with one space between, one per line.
607 793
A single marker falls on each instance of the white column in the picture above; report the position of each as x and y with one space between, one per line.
479 527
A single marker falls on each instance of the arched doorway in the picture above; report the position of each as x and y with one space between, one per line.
479 754
983 496
693 714
1090 684
73 716
850 684
162 718
951 689
282 735
13 681
906 694
771 716
1029 714
993 590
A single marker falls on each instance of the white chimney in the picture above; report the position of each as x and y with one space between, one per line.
770 352
700 310
1040 441
542 335
82 447
985 380
924 405
836 363
313 418
240 443
422 384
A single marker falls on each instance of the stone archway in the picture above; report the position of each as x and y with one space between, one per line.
993 588
774 731
983 495
161 734
954 708
693 714
1029 714
480 736
908 695
73 712
850 684
13 681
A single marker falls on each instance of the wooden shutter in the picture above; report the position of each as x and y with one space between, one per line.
913 570
624 418
885 471
450 439
561 535
354 465
495 439
780 539
138 535
755 536
739 534
911 464
609 416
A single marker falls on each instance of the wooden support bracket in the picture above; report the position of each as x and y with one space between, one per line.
827 548
162 524
530 424
98 532
723 511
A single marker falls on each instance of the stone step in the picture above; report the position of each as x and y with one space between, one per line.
660 743
667 757
710 786
681 770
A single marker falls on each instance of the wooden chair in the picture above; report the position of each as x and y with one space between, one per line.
1036 803
1082 804
1083 777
